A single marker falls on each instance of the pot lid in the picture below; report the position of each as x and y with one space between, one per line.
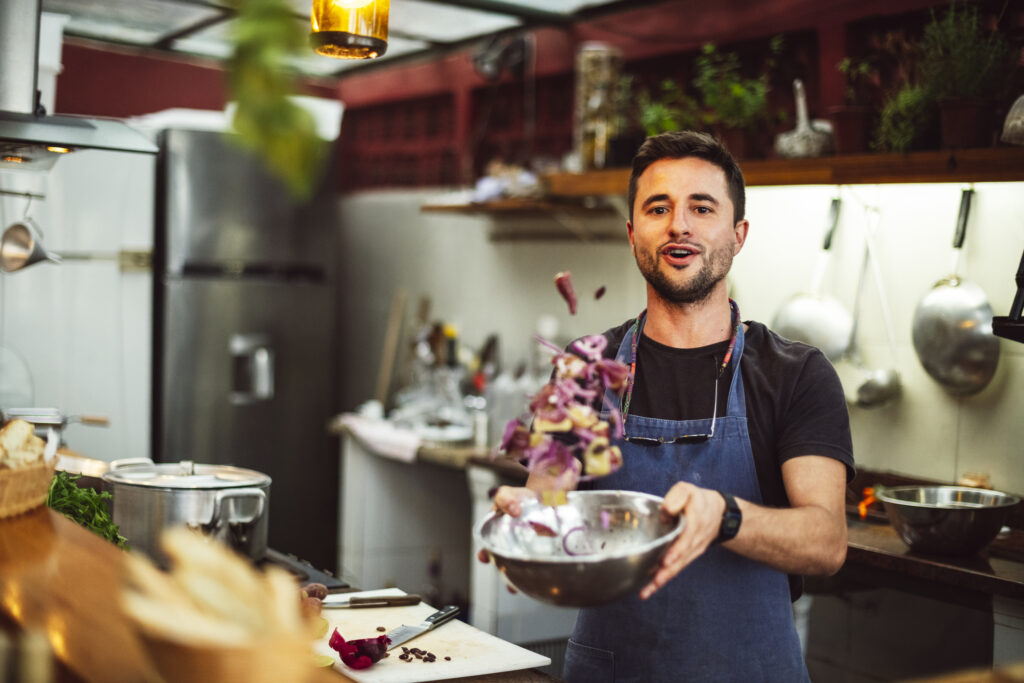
187 475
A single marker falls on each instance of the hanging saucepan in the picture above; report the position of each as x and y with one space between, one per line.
952 328
814 318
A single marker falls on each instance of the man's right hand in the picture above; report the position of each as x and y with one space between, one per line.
508 500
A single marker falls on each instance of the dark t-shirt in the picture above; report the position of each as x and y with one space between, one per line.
795 402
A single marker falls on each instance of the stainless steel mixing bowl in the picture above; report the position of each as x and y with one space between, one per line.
946 520
597 548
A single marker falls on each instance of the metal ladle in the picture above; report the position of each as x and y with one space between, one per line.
874 387
883 384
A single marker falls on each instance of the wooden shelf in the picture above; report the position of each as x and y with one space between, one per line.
518 207
969 165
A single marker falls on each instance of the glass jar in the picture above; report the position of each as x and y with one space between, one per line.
598 68
350 29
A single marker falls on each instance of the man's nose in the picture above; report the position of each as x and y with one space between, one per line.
680 224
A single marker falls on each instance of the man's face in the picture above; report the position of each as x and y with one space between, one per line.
682 232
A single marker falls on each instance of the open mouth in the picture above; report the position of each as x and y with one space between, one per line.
679 255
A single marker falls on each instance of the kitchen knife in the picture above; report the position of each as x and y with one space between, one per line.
370 601
404 633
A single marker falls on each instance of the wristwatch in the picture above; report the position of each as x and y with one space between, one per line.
731 519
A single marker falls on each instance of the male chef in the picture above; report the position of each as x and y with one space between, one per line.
743 432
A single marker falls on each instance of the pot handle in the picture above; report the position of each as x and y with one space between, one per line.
220 502
128 462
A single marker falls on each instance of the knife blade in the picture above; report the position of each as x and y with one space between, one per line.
370 601
405 633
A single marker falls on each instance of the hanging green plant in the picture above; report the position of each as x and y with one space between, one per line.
260 81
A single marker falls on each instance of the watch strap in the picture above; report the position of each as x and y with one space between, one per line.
731 519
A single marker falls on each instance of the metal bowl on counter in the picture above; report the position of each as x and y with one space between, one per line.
597 548
946 520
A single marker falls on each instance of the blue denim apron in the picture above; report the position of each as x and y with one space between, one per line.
724 617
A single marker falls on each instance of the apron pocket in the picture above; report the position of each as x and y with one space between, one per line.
587 664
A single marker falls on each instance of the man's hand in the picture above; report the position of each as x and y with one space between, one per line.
703 509
508 500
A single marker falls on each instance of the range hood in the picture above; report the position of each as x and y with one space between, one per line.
30 139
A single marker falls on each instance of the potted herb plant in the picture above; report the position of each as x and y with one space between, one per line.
669 108
965 67
643 114
851 121
732 105
906 114
908 117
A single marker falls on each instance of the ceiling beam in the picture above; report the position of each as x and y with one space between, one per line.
167 41
528 15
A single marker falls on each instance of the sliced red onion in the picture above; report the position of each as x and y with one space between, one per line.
564 283
543 529
565 540
361 653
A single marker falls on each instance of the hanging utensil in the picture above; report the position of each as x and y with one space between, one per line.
882 384
1012 326
20 246
952 327
814 318
865 386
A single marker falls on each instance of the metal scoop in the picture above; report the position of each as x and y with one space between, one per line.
865 386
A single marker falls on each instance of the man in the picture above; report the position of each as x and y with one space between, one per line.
757 460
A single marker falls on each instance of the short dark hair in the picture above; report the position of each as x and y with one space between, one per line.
681 144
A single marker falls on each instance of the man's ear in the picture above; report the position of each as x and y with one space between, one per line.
629 233
740 232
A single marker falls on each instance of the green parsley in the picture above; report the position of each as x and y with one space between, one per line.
85 506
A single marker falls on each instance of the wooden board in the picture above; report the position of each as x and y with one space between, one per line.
473 652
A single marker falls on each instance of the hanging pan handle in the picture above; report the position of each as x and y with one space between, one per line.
833 221
961 219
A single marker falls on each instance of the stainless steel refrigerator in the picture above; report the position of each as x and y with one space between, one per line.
243 331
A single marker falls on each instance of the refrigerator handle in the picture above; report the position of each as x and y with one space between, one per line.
252 357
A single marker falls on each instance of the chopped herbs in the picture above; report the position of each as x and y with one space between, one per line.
85 506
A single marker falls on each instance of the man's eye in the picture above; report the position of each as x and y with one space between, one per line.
703 209
659 210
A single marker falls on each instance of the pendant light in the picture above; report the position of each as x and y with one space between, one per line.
350 29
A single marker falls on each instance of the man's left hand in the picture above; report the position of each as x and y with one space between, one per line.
703 509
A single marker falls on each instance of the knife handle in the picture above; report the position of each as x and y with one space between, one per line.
389 601
441 616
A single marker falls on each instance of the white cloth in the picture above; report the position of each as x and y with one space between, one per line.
383 437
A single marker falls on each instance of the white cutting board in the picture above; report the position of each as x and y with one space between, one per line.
473 652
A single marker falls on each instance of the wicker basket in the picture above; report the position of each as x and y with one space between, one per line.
25 488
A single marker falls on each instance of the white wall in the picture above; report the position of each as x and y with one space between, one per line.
489 286
84 327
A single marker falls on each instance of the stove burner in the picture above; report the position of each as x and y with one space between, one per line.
302 570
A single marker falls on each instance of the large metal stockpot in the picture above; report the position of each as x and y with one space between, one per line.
230 504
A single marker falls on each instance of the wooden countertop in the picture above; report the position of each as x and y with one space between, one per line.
996 570
64 580
875 545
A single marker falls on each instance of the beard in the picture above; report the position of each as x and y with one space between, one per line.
696 289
